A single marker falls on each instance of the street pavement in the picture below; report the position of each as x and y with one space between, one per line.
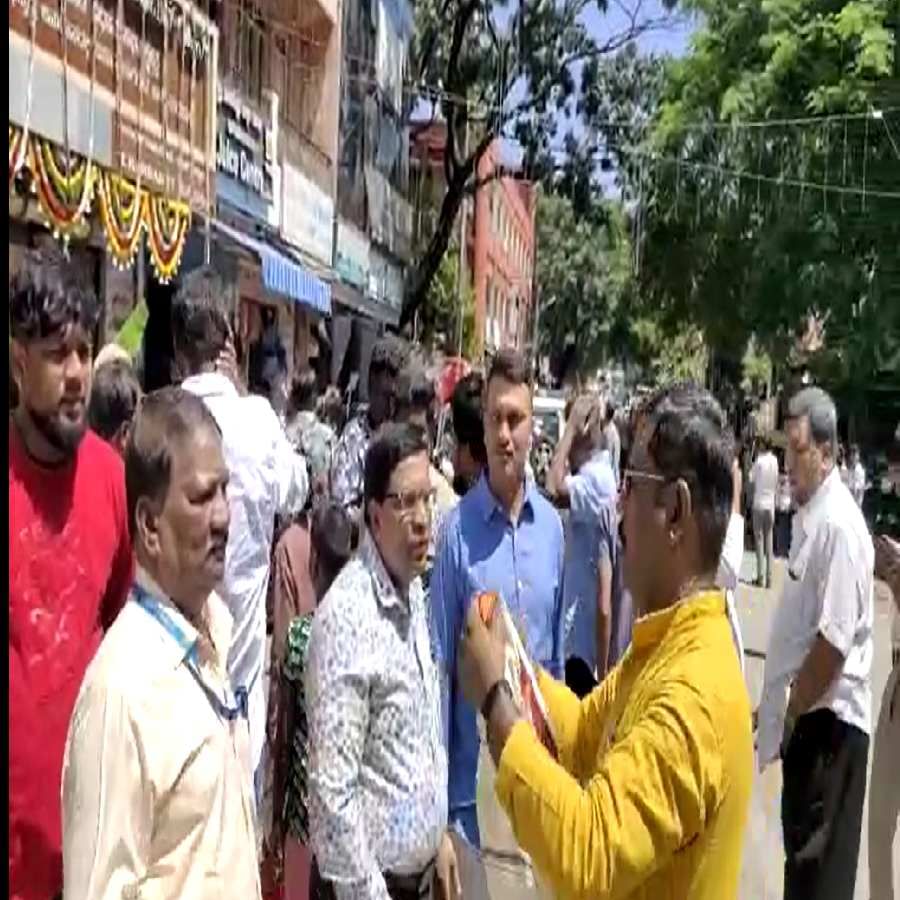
762 873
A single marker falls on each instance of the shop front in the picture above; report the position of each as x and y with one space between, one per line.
110 139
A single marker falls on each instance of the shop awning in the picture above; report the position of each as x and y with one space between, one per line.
281 275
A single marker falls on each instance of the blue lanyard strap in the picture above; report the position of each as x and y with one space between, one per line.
152 605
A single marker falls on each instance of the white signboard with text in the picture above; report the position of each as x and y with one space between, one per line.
307 214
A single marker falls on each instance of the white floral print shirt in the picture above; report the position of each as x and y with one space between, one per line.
377 765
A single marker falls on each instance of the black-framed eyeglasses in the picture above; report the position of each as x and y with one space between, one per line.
407 502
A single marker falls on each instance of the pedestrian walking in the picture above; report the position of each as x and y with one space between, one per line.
504 536
784 513
856 476
377 765
764 479
157 796
70 561
817 695
267 478
648 795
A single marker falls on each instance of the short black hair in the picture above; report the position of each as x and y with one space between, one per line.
509 365
466 410
331 534
46 296
200 327
164 418
114 398
393 444
690 439
303 390
388 356
414 390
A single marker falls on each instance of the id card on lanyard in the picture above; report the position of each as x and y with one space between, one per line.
226 708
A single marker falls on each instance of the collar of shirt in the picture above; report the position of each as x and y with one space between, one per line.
808 516
210 384
649 630
213 651
490 505
386 592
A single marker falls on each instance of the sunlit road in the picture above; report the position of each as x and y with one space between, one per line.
763 857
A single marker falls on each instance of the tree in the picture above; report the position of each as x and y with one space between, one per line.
492 70
583 272
740 229
438 321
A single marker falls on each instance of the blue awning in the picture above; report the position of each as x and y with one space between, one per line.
281 275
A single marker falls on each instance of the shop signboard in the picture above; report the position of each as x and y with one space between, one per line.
307 215
142 71
352 256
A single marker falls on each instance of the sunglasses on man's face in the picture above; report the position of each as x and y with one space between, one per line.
629 476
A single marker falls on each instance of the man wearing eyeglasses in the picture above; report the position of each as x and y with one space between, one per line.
377 764
648 793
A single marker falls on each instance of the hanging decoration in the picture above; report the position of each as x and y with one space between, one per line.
123 208
18 147
64 190
168 222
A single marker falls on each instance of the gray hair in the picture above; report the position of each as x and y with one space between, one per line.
818 408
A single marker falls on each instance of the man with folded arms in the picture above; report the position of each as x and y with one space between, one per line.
157 796
650 794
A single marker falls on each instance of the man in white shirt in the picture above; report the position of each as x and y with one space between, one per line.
817 692
267 478
157 797
764 478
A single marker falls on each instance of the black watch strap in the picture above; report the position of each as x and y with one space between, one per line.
498 687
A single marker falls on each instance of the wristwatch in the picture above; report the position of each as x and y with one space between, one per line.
498 687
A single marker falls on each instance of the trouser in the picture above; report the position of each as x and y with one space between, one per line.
763 525
884 795
824 769
399 887
782 538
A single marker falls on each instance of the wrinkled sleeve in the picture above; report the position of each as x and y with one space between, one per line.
291 473
582 498
337 692
649 798
106 799
345 488
840 600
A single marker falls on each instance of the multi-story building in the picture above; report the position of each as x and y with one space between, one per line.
374 217
499 223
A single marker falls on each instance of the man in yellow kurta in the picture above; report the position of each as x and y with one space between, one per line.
650 794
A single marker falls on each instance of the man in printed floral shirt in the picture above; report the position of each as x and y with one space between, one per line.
377 764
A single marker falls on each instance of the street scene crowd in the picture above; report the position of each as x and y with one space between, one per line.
247 657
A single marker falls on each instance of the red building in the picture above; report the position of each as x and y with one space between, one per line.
499 238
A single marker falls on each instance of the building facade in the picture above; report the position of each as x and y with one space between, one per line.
499 225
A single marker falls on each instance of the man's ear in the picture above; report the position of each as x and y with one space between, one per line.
17 355
679 507
146 521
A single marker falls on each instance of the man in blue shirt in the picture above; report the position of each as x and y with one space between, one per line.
598 615
504 537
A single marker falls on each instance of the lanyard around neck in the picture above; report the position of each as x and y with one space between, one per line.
152 605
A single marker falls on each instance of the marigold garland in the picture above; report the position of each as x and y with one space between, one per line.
64 190
123 209
17 150
168 222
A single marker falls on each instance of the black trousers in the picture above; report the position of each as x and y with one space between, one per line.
399 888
824 770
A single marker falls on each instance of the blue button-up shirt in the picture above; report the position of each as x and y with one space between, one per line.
591 536
481 550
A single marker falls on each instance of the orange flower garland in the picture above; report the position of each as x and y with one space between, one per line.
17 151
64 191
123 209
168 222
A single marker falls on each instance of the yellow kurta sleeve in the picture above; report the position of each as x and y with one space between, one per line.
649 796
577 724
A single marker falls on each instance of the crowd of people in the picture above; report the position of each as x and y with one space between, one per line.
245 660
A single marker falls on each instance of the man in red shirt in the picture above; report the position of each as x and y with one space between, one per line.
70 563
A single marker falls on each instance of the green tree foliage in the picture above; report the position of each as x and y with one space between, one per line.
438 321
740 229
583 273
492 69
